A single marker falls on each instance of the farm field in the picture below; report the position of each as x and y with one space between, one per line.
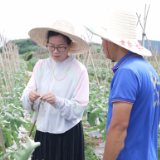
15 122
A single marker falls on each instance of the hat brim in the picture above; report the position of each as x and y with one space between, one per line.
130 44
39 35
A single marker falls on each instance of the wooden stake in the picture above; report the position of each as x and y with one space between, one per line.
2 64
2 143
90 56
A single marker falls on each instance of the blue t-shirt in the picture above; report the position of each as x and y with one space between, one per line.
135 81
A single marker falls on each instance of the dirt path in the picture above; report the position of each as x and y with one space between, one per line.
98 141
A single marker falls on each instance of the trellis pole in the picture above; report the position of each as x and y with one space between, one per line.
2 143
145 36
90 56
144 25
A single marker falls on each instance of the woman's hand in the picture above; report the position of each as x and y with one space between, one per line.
49 97
33 95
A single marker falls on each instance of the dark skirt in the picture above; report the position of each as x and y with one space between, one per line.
65 146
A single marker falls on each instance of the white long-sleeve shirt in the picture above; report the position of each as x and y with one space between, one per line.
72 94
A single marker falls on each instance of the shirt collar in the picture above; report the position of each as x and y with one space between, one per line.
123 59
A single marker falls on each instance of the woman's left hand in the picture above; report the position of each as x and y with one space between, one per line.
49 97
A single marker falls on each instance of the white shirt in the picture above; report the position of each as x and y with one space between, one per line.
72 94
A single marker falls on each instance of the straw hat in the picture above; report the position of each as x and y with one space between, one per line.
120 28
39 35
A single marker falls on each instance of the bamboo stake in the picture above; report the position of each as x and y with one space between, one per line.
85 55
145 21
90 56
2 143
143 34
17 56
90 39
12 55
10 69
149 45
7 86
94 68
153 54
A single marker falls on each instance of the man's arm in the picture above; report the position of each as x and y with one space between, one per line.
117 130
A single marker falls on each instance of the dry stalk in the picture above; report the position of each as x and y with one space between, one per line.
5 79
9 63
90 56
2 143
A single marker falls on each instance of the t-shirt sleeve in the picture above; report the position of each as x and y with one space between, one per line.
30 86
125 86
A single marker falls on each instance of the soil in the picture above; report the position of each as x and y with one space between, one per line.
98 142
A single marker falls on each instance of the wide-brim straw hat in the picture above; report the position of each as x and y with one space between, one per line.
119 27
39 35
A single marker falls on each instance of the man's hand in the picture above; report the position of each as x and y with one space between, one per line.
49 97
33 95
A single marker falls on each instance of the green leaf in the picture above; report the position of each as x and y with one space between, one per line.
5 156
25 152
96 110
91 119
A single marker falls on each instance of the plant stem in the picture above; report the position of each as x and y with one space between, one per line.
2 142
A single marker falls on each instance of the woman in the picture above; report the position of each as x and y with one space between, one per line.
61 82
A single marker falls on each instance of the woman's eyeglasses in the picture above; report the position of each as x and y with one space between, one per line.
59 49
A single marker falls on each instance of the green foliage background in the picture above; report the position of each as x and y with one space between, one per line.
12 117
26 45
97 108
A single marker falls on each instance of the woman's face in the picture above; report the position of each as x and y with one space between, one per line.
60 53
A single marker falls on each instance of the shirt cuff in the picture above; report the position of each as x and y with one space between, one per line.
30 103
57 102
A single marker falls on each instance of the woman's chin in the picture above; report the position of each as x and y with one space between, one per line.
57 59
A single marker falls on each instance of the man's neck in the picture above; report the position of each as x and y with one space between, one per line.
121 52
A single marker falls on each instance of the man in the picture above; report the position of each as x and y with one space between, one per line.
134 102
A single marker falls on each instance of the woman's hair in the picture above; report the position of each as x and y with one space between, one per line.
52 33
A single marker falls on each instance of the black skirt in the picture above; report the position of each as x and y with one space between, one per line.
66 146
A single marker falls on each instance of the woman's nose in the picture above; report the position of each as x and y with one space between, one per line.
55 50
